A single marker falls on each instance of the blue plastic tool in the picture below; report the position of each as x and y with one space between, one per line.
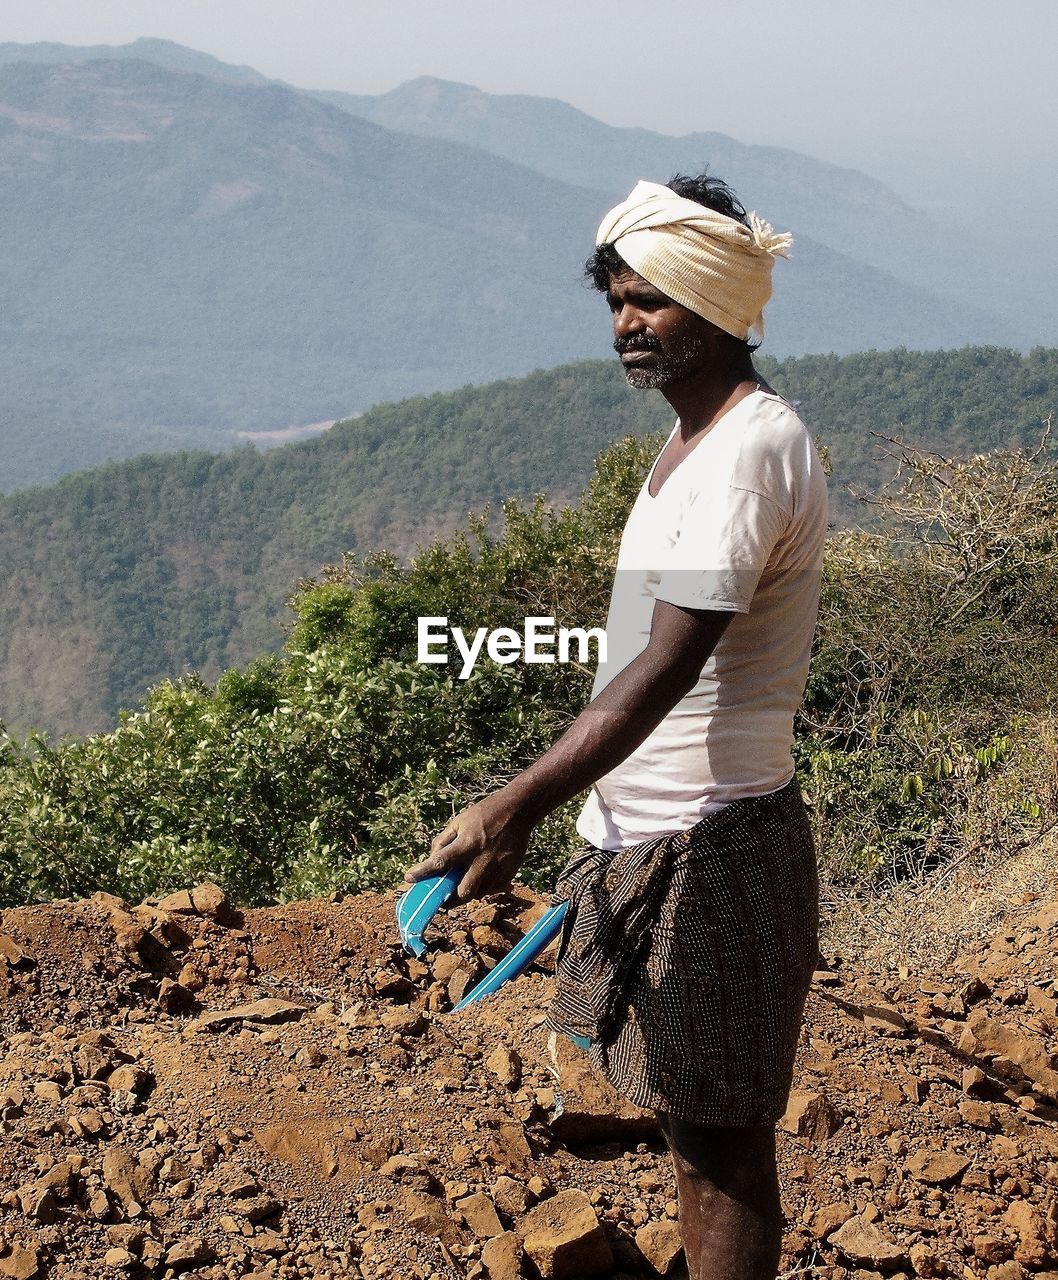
420 904
520 957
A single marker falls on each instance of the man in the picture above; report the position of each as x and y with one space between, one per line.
690 941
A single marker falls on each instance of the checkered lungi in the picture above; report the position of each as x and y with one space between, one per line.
686 960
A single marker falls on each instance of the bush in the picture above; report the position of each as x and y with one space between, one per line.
925 728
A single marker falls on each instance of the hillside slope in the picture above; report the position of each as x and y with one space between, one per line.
280 1092
121 576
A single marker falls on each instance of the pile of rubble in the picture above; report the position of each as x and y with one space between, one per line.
188 1090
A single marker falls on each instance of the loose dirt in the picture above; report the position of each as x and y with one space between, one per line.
188 1090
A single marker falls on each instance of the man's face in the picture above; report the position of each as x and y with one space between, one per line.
659 341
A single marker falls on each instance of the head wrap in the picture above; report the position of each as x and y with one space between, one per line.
712 264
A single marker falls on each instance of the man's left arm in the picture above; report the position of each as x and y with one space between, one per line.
490 838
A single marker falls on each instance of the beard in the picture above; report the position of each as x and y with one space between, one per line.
666 368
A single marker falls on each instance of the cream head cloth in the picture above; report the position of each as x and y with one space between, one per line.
710 263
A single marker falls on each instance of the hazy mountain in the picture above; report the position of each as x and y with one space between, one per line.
843 208
176 249
181 250
164 53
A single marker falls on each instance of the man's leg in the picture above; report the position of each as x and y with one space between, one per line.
730 1216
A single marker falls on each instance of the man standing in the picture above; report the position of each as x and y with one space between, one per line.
690 941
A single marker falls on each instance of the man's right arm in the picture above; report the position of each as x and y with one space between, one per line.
490 838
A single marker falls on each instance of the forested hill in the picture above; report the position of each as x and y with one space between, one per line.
137 570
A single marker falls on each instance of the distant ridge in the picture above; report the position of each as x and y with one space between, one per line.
843 208
163 53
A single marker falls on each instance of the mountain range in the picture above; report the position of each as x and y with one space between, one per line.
188 249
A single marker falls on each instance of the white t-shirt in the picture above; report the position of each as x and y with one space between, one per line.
738 526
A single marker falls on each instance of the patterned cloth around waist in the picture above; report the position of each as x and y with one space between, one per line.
685 960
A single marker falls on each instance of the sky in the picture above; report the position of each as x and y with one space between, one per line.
948 100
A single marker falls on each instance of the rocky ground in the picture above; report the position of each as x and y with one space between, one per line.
186 1090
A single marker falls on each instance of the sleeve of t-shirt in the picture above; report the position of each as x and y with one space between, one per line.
724 543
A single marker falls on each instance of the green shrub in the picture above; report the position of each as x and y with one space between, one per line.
925 727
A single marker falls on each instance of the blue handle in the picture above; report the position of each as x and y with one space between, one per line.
420 904
520 957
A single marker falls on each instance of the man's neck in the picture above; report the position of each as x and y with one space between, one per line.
706 396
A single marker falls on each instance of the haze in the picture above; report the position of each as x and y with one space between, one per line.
952 103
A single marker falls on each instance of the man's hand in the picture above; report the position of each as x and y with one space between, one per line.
489 840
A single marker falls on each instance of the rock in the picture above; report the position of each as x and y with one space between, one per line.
37 1201
829 1218
511 1197
20 1263
191 977
661 1245
410 1172
512 1150
994 1039
126 1179
480 1215
593 1110
563 1238
975 1082
256 1208
119 1259
129 1079
458 985
10 951
269 1009
489 940
502 1257
270 1242
404 1022
187 1251
506 1065
936 1167
1037 1234
60 1179
211 901
237 1181
424 1214
925 1262
444 966
974 991
1008 1271
810 1115
861 1241
172 997
179 902
977 1114
882 1017
991 1249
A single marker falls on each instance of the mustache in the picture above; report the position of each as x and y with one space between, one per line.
636 342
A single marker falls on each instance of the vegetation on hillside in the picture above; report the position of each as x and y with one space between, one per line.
120 577
927 727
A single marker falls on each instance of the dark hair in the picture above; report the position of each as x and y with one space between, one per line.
714 193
